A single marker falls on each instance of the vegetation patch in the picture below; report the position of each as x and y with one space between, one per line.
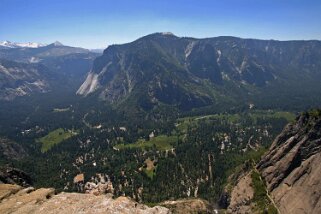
55 137
184 123
260 195
315 112
150 168
289 116
150 173
161 143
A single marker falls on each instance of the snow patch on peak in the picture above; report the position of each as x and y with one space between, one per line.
9 44
5 43
30 45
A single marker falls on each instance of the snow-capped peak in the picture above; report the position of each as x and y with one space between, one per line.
5 43
9 44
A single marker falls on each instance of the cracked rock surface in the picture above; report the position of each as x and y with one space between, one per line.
16 199
292 168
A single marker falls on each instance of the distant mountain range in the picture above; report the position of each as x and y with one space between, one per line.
162 68
8 44
37 54
185 73
25 70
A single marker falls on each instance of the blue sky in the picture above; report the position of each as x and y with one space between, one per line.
98 23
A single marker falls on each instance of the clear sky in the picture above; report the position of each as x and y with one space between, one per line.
98 23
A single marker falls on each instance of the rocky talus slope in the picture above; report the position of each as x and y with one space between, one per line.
291 171
16 199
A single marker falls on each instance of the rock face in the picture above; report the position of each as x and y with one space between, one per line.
242 196
20 79
11 150
292 169
15 199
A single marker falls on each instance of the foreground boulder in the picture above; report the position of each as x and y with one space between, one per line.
16 199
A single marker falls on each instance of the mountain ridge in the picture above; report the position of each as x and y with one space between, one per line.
202 70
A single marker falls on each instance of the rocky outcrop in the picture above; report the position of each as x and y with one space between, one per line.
185 206
11 150
242 196
9 175
15 199
292 169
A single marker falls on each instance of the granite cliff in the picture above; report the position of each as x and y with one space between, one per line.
290 173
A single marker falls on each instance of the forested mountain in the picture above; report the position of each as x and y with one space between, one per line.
162 68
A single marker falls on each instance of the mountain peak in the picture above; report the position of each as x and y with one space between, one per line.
6 42
164 34
160 35
57 43
167 33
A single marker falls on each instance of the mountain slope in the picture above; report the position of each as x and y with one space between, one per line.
67 65
189 73
20 79
147 72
